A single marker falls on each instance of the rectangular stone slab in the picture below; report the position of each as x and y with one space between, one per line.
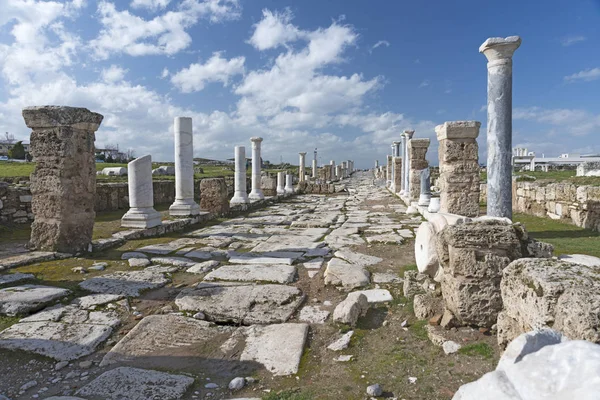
253 273
27 298
265 258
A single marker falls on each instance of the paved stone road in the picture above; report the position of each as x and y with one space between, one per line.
247 309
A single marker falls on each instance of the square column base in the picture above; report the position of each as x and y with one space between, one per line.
238 199
141 218
280 190
256 195
184 208
289 190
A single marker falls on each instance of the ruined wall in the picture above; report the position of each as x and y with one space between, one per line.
15 204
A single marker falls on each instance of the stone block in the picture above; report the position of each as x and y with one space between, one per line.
214 196
427 305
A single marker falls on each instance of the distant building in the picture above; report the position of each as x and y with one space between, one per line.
6 146
114 154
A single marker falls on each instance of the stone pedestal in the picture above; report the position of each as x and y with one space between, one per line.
406 137
213 196
388 175
240 195
417 149
301 168
289 188
268 184
280 182
256 193
397 174
141 212
63 185
314 169
184 204
499 52
459 167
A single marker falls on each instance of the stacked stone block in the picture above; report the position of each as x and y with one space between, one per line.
398 174
417 149
214 196
459 167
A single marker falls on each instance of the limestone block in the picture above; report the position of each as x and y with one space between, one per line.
268 184
63 185
427 305
213 196
349 310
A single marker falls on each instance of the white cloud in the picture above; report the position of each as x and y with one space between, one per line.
113 73
150 4
124 32
216 69
380 43
424 83
586 75
274 30
572 121
165 73
571 40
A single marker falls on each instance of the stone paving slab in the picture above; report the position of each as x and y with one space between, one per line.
362 260
27 298
316 263
158 336
137 384
241 303
93 300
313 315
181 262
129 283
374 295
254 273
13 278
390 238
203 267
278 347
277 257
342 273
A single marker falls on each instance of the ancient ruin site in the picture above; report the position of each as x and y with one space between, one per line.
253 226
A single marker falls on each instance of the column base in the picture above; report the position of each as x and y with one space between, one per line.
256 195
424 200
289 190
141 218
239 199
280 190
184 208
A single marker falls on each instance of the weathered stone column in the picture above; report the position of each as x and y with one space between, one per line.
396 182
240 196
499 52
338 171
141 212
376 164
314 169
301 169
388 171
289 187
184 204
459 167
256 193
397 174
417 149
280 182
408 134
332 170
425 196
63 185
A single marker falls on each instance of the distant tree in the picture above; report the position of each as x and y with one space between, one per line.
17 152
101 156
110 159
130 155
9 138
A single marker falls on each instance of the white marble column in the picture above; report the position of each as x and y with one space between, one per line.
338 171
240 196
301 168
331 170
314 169
289 187
280 182
395 171
376 163
408 134
141 212
499 52
184 204
256 193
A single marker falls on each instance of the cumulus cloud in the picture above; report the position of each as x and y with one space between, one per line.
274 29
113 73
216 69
586 75
576 122
150 4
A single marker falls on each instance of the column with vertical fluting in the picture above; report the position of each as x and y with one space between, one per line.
256 193
499 52
184 204
240 196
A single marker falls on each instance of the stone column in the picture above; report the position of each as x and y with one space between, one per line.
289 187
332 168
280 182
301 169
314 169
396 182
256 193
240 196
338 171
499 52
425 196
397 174
141 212
417 149
388 172
63 185
184 204
459 167
408 134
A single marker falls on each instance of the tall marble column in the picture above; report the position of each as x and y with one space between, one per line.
240 196
417 150
289 186
63 185
395 170
184 204
332 168
408 134
403 155
301 168
256 193
281 182
499 52
141 212
314 169
338 171
376 163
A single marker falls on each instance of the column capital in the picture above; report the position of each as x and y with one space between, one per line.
302 153
396 143
500 50
256 139
458 130
39 117
408 134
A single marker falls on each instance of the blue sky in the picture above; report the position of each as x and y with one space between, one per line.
344 76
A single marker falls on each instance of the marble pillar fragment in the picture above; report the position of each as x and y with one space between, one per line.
256 193
314 169
141 212
397 174
301 167
417 150
240 195
425 196
281 182
408 134
184 204
289 186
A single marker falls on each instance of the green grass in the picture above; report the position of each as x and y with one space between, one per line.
6 322
289 395
566 238
477 349
418 329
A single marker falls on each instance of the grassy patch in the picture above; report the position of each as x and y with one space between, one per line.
418 329
289 395
566 238
6 322
477 349
17 232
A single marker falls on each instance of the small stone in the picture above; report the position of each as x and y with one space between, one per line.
374 390
98 267
27 386
211 385
80 270
435 320
199 315
449 320
485 331
450 347
60 365
138 262
237 384
344 358
342 343
412 380
85 364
